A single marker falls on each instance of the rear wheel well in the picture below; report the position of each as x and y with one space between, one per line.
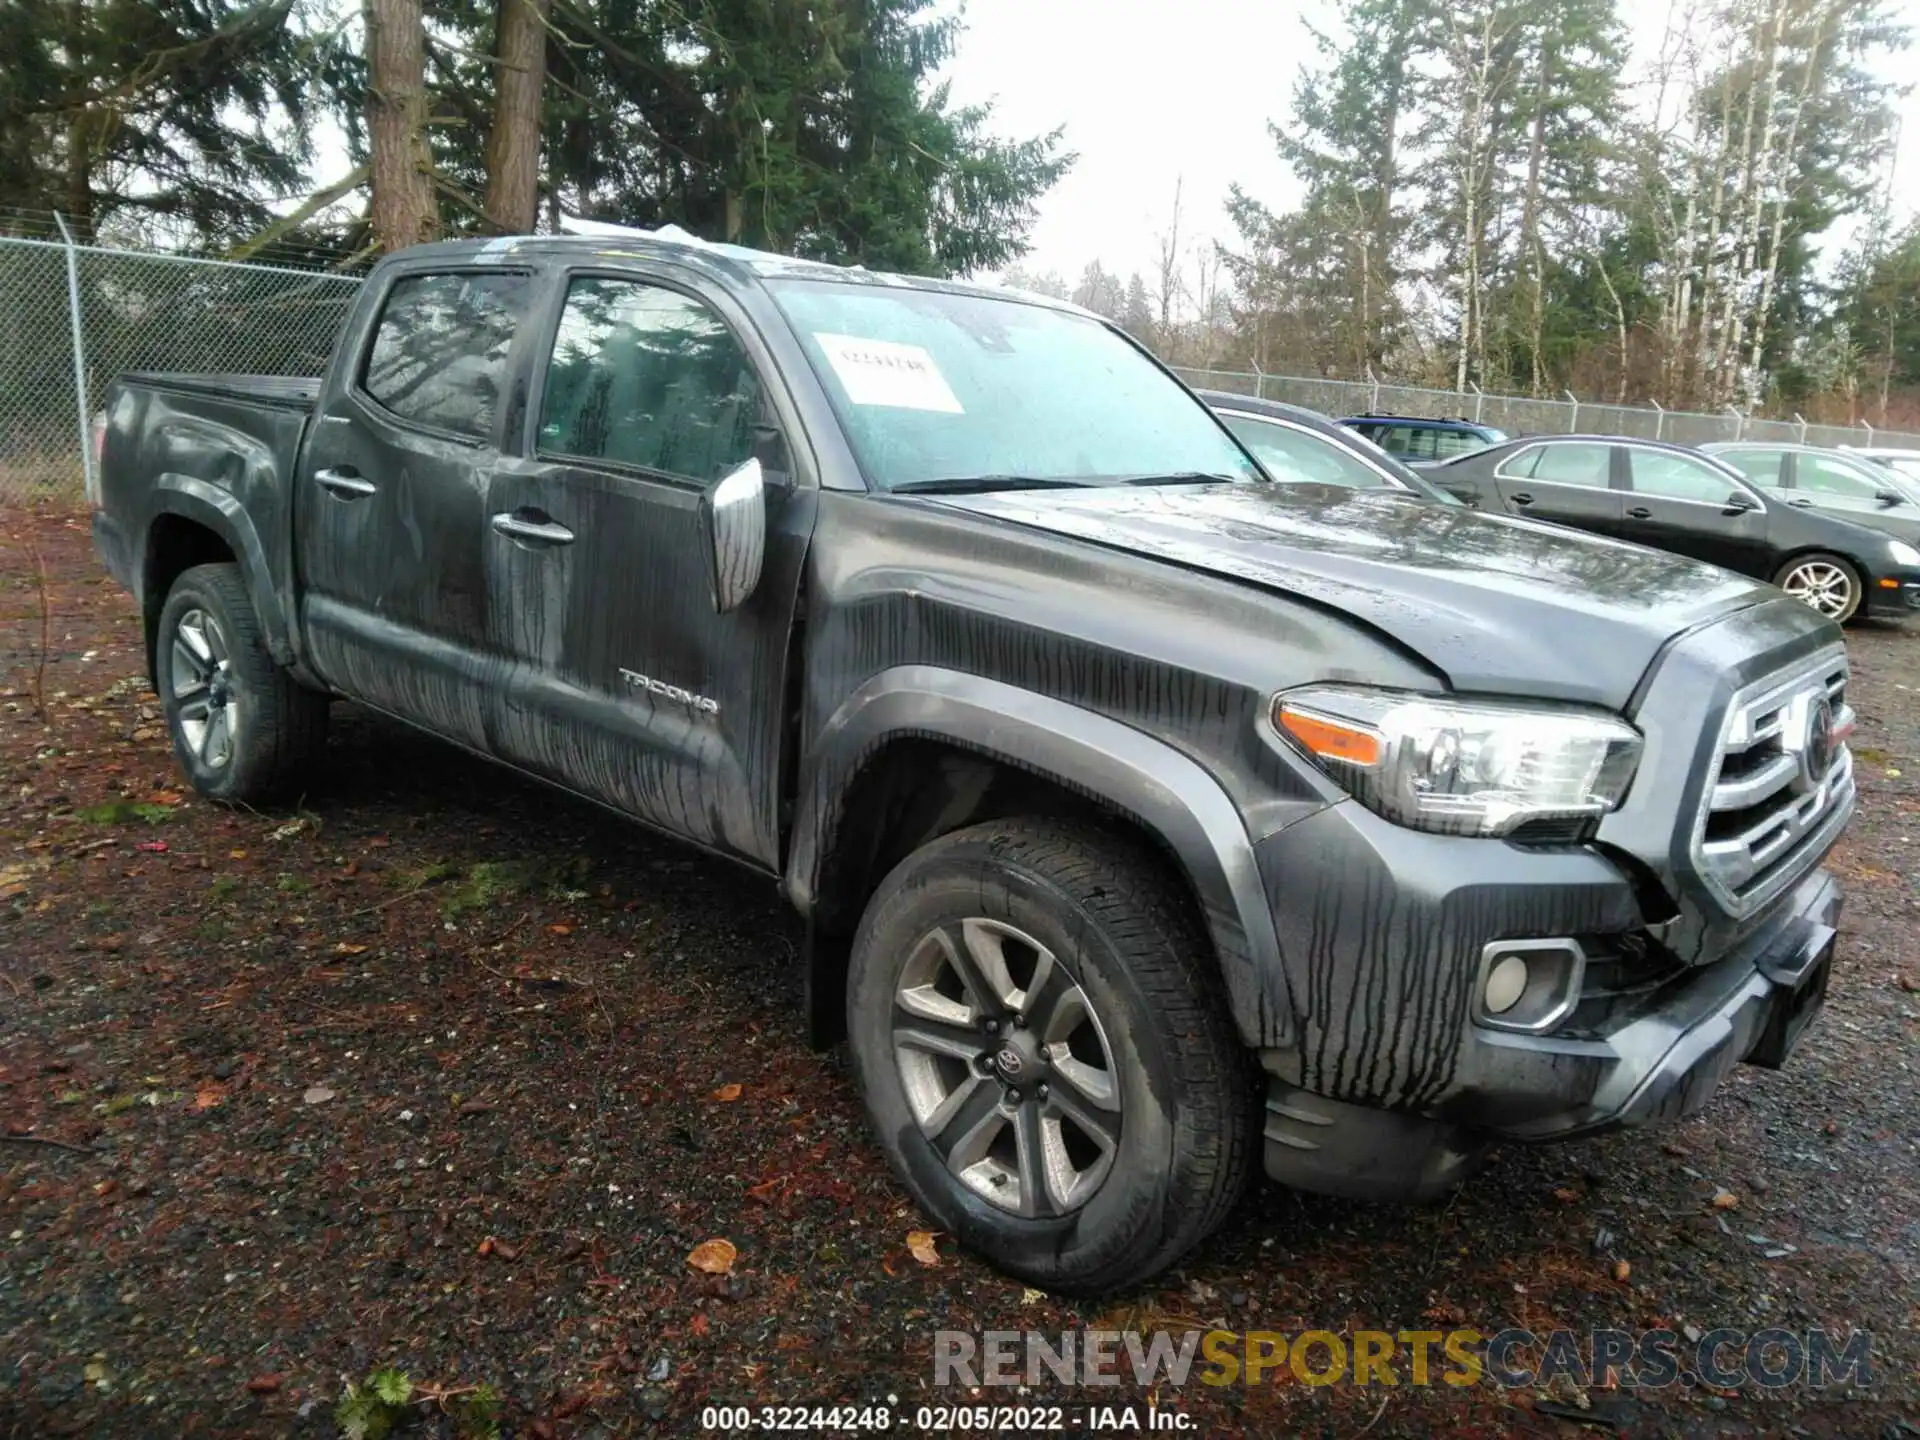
175 544
908 793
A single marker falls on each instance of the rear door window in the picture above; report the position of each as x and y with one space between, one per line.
1578 463
439 354
1822 476
1762 467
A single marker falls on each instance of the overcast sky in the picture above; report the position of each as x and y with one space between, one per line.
1156 90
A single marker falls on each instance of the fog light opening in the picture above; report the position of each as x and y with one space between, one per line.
1506 983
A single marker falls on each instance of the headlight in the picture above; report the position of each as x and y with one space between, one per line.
1461 767
1903 553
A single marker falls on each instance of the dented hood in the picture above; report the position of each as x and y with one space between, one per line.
1500 606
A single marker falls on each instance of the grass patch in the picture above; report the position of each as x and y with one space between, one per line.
124 812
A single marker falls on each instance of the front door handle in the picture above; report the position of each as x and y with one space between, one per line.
532 527
344 482
1640 512
1523 498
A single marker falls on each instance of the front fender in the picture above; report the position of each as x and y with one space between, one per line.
218 510
1167 792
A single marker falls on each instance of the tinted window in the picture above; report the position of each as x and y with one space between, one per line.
1576 463
1826 476
440 353
1448 443
1290 454
1762 467
1678 477
648 377
936 385
1398 440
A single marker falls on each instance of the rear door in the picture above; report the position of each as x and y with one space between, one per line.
1845 488
624 682
1569 482
390 509
1682 503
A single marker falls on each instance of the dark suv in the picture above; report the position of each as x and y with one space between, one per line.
1418 439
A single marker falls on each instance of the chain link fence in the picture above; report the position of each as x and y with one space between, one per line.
74 316
1519 415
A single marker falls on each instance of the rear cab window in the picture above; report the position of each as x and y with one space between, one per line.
439 352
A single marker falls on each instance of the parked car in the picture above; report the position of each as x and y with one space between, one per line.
1301 446
1675 498
1808 477
1904 463
1146 816
1420 439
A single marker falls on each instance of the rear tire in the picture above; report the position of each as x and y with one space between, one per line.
1827 583
243 729
1107 1126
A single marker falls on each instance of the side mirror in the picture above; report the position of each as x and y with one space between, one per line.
1739 503
733 526
1889 497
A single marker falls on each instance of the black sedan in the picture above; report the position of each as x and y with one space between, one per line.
1293 443
1675 498
1808 477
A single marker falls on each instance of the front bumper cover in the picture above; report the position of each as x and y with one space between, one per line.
1752 1005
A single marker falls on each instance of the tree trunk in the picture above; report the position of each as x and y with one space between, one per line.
79 201
403 210
513 144
1530 246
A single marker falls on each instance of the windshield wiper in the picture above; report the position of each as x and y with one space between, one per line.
973 484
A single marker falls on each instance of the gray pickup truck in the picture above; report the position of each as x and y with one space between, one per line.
1148 811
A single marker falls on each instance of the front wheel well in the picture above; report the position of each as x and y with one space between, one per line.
175 545
908 793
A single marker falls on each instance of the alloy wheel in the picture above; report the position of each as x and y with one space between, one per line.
1006 1067
204 692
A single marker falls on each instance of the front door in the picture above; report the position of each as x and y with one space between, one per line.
624 681
391 521
1684 504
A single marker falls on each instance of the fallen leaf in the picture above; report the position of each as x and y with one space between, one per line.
505 1251
165 797
700 1324
1566 1196
209 1096
474 1107
560 929
716 1257
1891 771
343 948
1910 982
726 1092
236 854
152 847
920 1246
486 1246
264 1384
1726 1200
1032 1297
763 1192
317 1095
379 842
1621 1270
351 868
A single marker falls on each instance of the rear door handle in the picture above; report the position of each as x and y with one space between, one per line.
1640 512
1801 504
532 527
1523 498
345 483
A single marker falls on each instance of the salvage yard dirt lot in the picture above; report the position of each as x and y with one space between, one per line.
439 1070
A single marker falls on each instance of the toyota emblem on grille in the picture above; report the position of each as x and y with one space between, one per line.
1816 749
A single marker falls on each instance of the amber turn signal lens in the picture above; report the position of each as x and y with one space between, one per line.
1329 739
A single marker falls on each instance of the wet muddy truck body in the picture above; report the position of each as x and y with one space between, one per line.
1150 817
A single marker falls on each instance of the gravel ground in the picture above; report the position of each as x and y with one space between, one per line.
439 1071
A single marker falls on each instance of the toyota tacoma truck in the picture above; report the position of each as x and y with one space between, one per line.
1148 814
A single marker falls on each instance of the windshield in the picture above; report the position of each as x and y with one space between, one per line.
934 387
1293 453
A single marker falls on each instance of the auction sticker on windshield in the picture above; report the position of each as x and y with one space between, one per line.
880 372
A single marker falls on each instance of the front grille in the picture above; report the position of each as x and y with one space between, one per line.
1771 806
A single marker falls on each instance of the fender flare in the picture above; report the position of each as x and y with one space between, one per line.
218 510
1168 793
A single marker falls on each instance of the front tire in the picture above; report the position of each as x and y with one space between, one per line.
243 729
1825 582
1045 1054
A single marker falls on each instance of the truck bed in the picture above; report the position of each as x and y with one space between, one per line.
296 392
